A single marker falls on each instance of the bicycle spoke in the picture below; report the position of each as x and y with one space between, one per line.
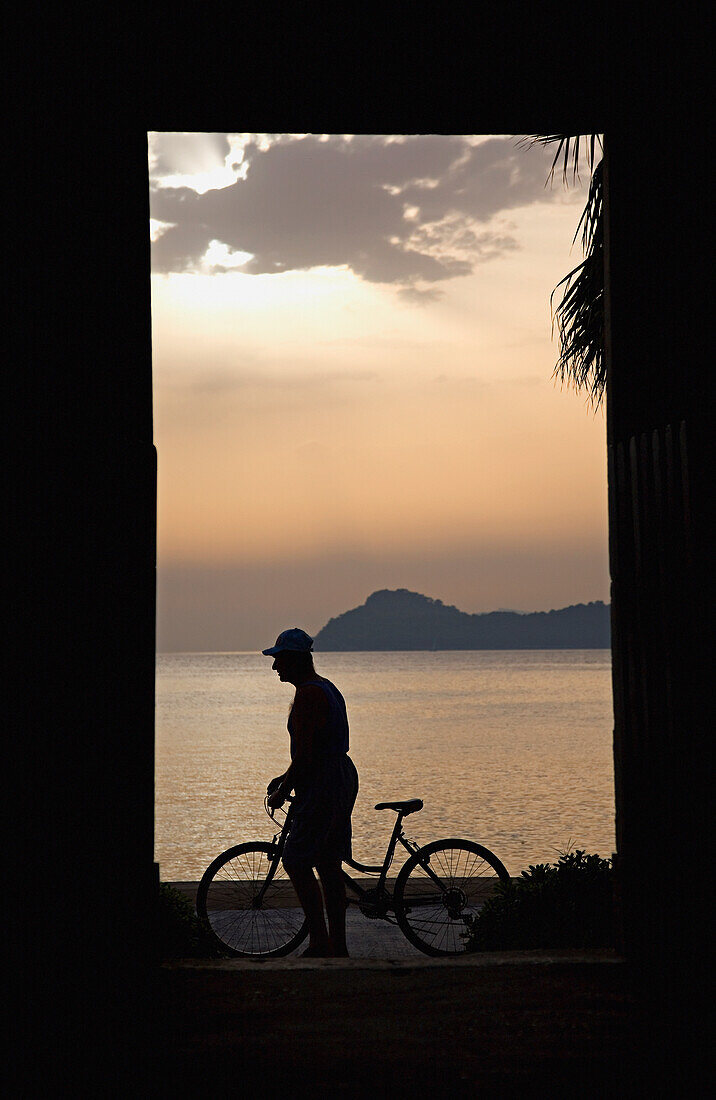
434 915
229 898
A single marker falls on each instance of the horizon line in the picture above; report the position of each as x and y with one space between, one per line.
481 649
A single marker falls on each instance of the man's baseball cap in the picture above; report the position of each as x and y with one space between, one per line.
295 640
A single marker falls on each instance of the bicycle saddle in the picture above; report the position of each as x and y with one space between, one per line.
408 807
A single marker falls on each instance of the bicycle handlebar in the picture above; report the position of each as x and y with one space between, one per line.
272 811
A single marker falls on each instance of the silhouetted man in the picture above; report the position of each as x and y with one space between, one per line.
325 782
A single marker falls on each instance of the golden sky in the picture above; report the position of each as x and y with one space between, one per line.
352 381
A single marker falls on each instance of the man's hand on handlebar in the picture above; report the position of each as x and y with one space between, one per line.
276 796
276 800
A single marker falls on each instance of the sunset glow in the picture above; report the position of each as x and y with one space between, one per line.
376 409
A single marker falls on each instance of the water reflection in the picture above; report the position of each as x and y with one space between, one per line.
510 748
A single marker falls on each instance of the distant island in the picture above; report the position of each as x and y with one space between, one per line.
399 619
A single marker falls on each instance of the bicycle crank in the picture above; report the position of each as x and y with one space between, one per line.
374 903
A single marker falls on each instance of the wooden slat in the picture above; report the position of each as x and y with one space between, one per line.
686 526
633 500
650 563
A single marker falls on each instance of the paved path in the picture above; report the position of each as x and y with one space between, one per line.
375 939
367 939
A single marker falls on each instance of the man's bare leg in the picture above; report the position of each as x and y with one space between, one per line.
334 893
309 895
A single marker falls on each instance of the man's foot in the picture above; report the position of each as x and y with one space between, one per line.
316 952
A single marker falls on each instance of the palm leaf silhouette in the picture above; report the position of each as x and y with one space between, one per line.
580 314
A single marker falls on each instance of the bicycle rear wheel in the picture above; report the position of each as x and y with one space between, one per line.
440 890
246 922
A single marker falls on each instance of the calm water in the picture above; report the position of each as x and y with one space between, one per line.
510 748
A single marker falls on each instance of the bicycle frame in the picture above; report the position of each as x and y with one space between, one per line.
397 836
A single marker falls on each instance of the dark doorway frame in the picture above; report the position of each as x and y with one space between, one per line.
84 480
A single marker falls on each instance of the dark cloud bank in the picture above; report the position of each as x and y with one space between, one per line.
406 213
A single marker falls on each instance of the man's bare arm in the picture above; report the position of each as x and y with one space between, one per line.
308 717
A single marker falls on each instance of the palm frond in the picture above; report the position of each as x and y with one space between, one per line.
566 142
580 314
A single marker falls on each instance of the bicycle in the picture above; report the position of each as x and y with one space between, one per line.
250 905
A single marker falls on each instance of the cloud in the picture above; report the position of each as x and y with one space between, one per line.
416 295
173 154
472 380
409 213
220 383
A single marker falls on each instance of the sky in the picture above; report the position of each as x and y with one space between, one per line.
352 357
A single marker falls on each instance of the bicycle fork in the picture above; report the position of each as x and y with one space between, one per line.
453 897
257 901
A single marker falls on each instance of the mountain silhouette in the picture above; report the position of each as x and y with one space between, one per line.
399 619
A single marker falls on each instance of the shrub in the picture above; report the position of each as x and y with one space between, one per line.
180 933
567 904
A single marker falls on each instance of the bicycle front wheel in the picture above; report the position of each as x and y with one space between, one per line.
440 891
250 918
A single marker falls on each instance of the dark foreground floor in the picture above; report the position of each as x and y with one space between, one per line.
521 1024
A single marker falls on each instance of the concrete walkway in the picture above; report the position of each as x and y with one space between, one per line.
391 1021
366 938
376 939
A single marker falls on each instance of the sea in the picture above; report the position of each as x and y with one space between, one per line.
511 748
